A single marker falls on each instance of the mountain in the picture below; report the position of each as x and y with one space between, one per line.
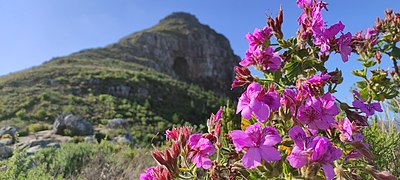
176 71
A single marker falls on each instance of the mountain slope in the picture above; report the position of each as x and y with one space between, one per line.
172 73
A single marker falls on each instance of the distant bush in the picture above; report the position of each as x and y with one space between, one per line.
36 127
384 141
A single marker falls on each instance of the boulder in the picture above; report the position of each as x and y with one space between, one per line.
11 130
117 123
6 141
33 150
5 152
72 125
125 139
35 145
90 139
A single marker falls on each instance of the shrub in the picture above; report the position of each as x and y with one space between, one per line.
36 127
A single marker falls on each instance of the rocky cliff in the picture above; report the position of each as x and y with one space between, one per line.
181 47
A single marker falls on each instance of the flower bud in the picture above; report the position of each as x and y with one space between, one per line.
276 24
383 175
378 57
243 77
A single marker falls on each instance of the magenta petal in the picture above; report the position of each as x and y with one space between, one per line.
240 139
244 102
206 162
297 134
246 113
194 139
269 153
328 170
261 111
271 136
323 124
251 158
297 158
197 159
206 147
377 107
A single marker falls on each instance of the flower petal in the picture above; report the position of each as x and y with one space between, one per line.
240 139
328 170
297 158
261 110
269 153
251 158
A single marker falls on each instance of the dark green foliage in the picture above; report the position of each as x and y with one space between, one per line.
384 141
77 161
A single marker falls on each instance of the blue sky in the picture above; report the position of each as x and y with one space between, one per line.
36 31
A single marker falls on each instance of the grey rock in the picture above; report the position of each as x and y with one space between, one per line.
40 142
117 123
125 139
90 139
33 150
5 152
11 130
6 141
36 145
76 125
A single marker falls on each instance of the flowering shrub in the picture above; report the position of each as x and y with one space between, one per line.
292 125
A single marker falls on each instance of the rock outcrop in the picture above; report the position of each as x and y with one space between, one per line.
180 46
72 125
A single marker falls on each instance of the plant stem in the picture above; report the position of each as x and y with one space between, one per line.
396 67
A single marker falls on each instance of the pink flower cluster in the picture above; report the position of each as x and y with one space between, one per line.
260 54
311 22
314 150
296 113
256 100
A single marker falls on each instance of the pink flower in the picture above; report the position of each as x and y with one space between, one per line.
148 175
258 37
369 33
318 113
272 98
256 101
323 36
318 150
267 59
304 3
258 143
368 109
344 46
200 149
346 127
319 80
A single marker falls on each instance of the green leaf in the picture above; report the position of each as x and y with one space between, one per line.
359 73
293 69
361 84
395 52
318 65
369 63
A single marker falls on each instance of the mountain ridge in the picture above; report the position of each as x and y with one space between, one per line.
175 72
